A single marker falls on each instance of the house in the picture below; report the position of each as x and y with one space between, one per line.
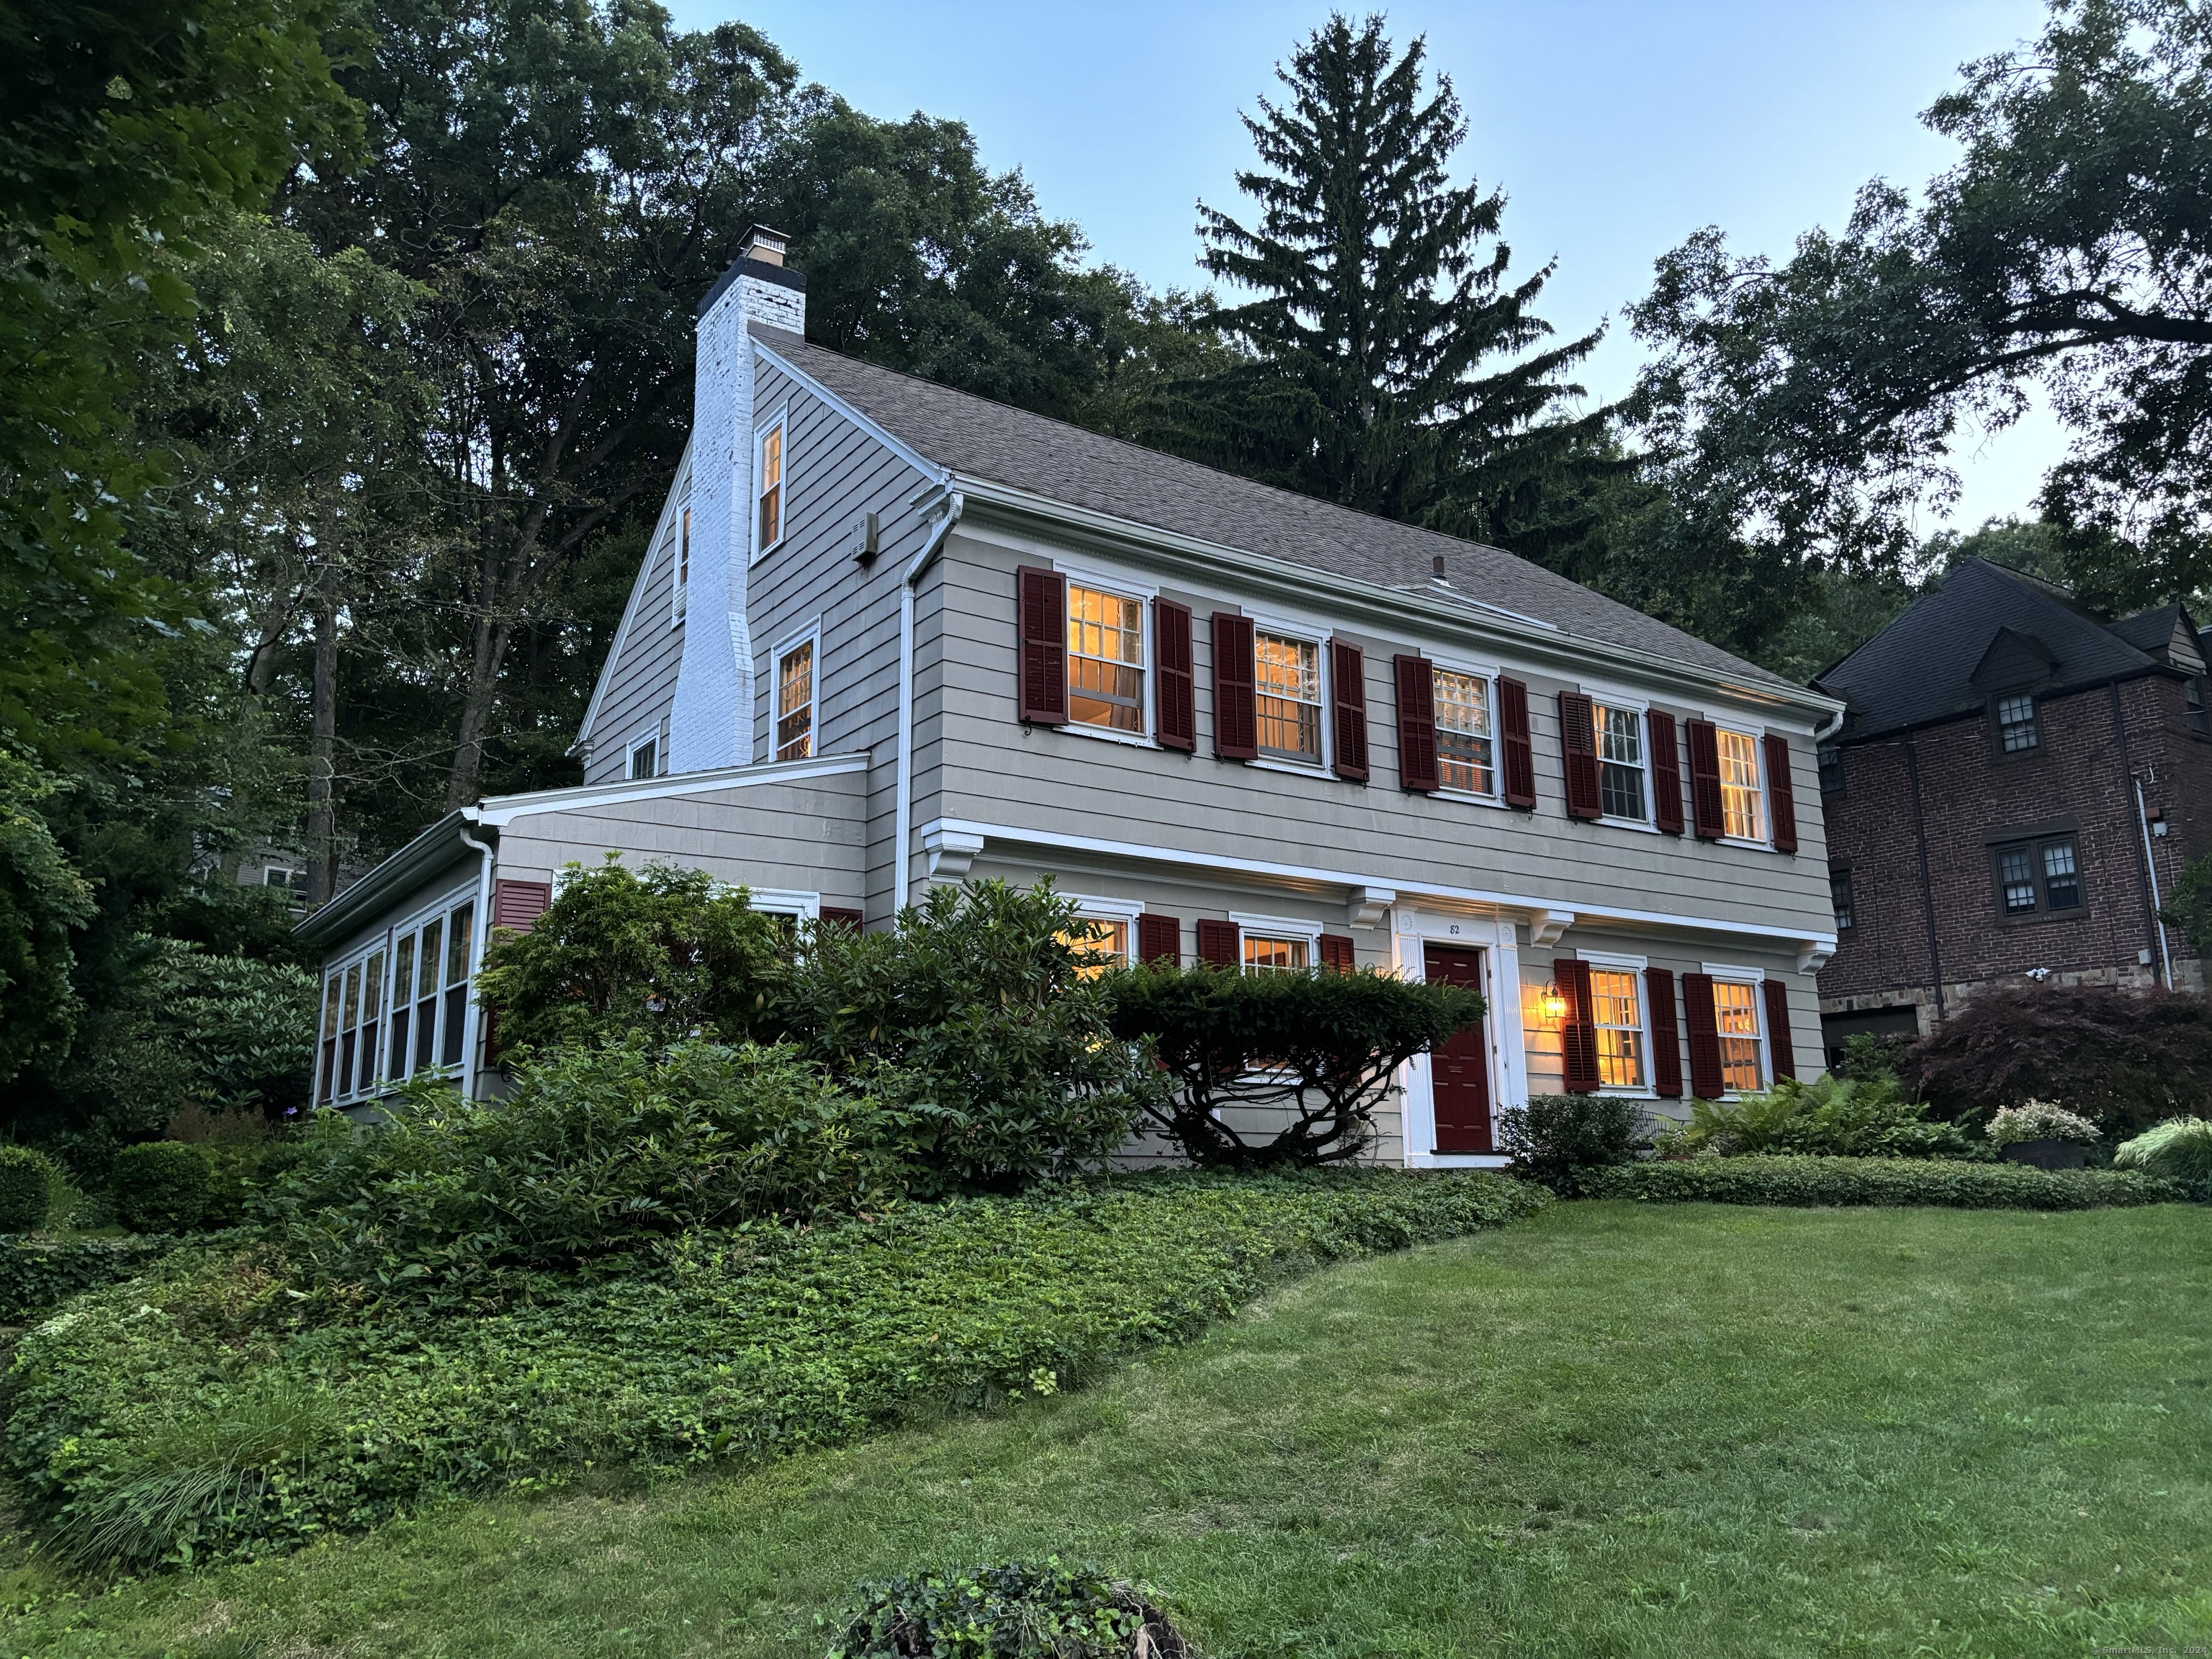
890 634
2015 788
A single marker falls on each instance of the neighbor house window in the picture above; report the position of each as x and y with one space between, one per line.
1105 659
769 487
1264 955
2192 693
2038 877
1465 759
794 702
1742 814
1735 1014
1286 676
1839 896
2016 724
281 875
1831 757
1619 1028
645 758
1620 762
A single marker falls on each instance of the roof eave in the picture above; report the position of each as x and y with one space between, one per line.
435 846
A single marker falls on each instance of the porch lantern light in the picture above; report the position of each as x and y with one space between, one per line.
1551 1002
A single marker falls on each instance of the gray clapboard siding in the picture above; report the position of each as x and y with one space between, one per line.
640 680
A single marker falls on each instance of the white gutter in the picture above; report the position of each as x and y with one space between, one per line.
2150 869
472 1025
903 828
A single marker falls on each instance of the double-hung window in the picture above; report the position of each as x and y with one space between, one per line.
1735 1017
2039 878
1621 762
1839 898
1616 1011
645 758
1286 677
679 550
1105 659
767 486
794 702
2017 728
1467 754
1743 809
1266 955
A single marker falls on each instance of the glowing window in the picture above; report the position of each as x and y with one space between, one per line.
1105 659
1274 956
1465 757
794 702
1743 816
1286 673
1619 1028
1736 1013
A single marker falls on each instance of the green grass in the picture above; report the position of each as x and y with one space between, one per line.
1617 1430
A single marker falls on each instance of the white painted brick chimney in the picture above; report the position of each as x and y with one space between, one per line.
712 722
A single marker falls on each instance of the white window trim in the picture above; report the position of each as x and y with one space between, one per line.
441 910
1250 925
780 417
1318 635
1755 976
1488 673
779 901
679 573
358 957
809 634
650 734
1112 581
1607 696
1614 962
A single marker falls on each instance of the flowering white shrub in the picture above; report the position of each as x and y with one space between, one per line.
2039 1120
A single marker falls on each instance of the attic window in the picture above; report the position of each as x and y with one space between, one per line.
2016 724
769 487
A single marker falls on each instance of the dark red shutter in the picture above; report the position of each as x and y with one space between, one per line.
842 916
1347 693
1706 1080
1578 1026
1220 943
1043 607
1666 1035
1416 724
1520 751
1159 938
1666 773
1779 1053
1236 717
1174 721
1337 954
1578 745
1780 795
518 905
1705 780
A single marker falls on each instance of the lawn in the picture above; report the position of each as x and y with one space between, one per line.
1615 1430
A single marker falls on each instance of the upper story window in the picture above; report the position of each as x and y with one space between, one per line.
2017 730
1264 955
645 758
1618 1016
1839 898
1735 1017
1466 756
794 702
1830 758
1743 816
679 549
1286 675
1105 659
768 486
2038 877
2192 693
1620 762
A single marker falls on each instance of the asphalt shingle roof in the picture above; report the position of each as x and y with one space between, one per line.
1051 459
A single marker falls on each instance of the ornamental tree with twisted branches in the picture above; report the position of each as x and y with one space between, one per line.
1277 1070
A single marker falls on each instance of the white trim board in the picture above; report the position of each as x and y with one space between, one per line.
501 810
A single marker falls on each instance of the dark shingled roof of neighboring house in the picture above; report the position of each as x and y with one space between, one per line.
1050 458
1920 668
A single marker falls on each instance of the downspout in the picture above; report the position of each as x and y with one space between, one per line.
473 1021
1926 887
2150 868
903 828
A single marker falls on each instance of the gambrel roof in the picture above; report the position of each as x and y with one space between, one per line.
975 437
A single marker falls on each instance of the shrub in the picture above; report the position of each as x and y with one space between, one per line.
1270 1070
596 1153
1830 1117
27 1180
37 1275
2125 1059
664 952
2037 1119
162 1186
1016 1611
2180 1149
1558 1141
205 1412
1877 1180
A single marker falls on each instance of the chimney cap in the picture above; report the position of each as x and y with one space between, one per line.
764 244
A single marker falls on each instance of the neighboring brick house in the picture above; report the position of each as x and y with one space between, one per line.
2015 785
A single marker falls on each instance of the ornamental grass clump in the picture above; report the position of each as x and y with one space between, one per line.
2039 1120
1017 1610
2180 1149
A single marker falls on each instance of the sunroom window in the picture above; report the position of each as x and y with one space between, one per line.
1465 757
1105 659
1286 675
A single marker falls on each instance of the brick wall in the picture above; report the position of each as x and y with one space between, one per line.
2092 742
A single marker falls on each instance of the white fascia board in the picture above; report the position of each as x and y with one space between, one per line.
914 457
1405 887
499 811
1569 651
636 597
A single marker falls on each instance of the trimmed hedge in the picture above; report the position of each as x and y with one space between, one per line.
207 1411
36 1276
1886 1181
162 1186
28 1177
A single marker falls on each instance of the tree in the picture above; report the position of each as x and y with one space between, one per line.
1269 1070
1818 401
1376 309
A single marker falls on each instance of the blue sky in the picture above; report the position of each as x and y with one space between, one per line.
1615 128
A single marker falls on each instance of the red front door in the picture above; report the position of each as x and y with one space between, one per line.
1459 1071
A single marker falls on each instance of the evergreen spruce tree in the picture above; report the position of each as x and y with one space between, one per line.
1380 299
